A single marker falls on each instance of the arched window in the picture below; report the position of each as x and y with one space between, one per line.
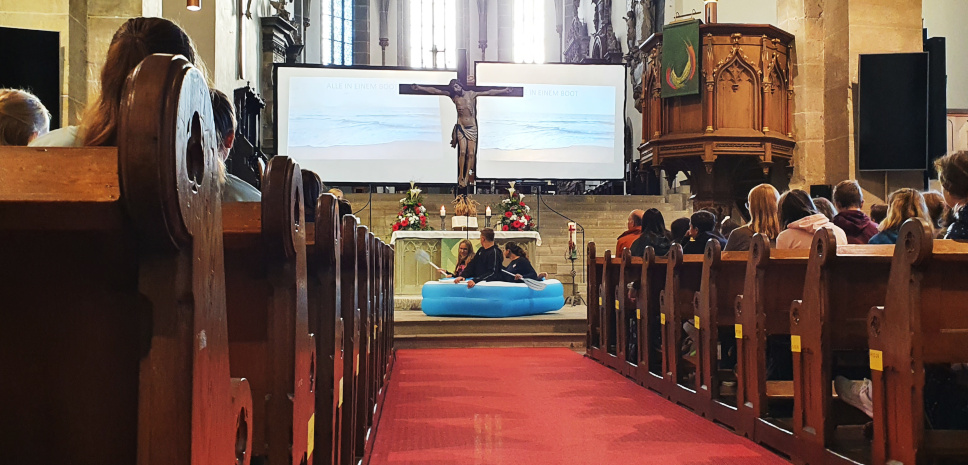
529 18
433 33
337 32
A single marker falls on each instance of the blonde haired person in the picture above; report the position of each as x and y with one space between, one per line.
465 252
22 117
763 218
902 204
134 41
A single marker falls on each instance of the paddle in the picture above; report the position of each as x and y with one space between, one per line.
532 284
424 257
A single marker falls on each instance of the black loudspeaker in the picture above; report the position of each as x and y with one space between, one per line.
31 61
893 112
937 99
822 190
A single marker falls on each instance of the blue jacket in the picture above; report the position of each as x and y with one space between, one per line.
885 237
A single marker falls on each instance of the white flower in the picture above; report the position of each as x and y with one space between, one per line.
423 209
521 197
514 217
527 209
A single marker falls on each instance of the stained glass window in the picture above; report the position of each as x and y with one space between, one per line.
529 30
337 32
433 33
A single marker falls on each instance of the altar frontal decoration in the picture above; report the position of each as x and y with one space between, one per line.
680 64
413 215
515 215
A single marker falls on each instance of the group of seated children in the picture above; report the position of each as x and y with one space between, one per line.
487 264
25 121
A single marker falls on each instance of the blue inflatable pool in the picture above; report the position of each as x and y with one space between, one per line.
490 299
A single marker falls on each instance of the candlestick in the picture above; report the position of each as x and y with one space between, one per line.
443 211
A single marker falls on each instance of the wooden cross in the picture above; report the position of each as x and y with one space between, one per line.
464 136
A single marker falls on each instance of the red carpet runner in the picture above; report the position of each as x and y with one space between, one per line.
538 406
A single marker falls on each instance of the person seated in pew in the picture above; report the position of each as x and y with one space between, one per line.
654 233
626 239
465 252
936 211
849 201
953 174
23 117
826 207
486 264
135 40
702 227
337 192
902 204
878 213
344 208
520 266
727 226
679 228
800 220
234 189
761 203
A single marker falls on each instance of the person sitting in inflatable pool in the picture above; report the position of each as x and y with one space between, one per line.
486 264
465 253
520 266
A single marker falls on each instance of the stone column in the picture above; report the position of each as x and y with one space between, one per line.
830 36
278 46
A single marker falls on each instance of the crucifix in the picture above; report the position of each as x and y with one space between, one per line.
464 96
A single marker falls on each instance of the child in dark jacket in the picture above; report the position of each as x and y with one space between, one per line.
953 173
702 228
849 200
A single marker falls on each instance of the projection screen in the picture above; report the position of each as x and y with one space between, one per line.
568 125
352 125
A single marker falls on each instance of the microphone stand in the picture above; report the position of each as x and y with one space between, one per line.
575 298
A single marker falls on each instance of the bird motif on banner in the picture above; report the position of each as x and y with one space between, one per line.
678 80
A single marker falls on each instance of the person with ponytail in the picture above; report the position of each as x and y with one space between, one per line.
134 41
520 266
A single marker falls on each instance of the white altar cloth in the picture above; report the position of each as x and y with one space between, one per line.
472 235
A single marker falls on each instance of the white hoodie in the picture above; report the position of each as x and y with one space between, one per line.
799 234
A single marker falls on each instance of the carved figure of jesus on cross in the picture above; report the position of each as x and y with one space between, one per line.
464 136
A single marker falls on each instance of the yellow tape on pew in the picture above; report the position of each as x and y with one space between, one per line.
877 360
795 343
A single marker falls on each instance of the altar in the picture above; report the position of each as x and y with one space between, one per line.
410 275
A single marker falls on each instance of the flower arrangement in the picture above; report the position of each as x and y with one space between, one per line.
413 215
515 215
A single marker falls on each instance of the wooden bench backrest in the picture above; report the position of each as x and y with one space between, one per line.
325 319
652 282
841 284
923 322
268 317
114 298
351 337
723 278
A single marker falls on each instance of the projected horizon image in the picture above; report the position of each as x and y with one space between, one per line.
550 123
360 118
567 125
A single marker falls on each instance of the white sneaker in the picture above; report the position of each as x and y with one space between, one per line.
855 393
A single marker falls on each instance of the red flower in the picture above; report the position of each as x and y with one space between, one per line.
508 214
396 227
423 220
418 205
505 228
405 223
522 204
527 217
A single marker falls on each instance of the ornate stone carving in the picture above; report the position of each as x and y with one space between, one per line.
576 39
605 45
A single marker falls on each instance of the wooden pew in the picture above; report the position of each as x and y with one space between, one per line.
629 270
841 285
594 347
365 301
611 323
326 322
923 322
114 347
269 338
774 279
723 277
683 278
350 312
652 356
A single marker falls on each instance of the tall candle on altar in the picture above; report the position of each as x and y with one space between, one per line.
487 211
443 211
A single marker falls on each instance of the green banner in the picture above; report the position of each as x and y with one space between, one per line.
680 62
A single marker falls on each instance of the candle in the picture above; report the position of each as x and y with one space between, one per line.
573 232
487 211
443 211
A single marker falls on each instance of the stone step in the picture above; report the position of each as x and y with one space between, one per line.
573 341
490 326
